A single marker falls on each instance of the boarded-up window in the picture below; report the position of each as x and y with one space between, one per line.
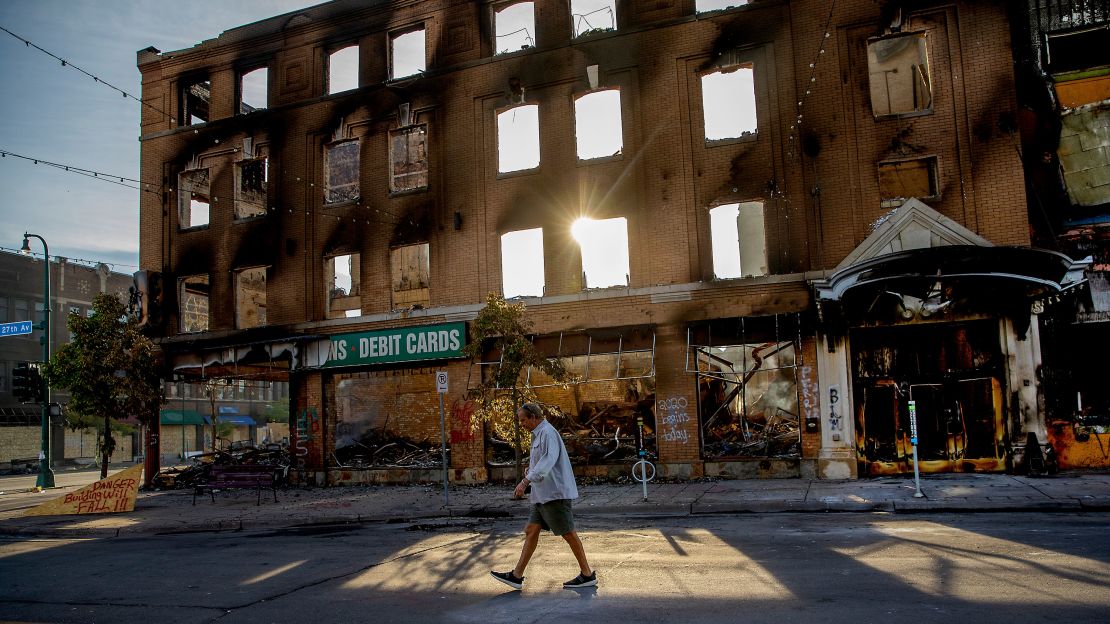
898 70
341 165
343 279
195 96
193 198
251 177
739 240
901 180
250 298
193 303
408 155
410 275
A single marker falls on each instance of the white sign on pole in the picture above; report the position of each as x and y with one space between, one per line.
441 382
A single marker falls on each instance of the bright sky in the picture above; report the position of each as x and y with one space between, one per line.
57 114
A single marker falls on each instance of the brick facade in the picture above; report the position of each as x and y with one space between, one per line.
817 179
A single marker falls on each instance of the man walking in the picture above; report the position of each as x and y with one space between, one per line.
553 489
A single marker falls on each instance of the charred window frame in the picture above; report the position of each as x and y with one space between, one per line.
598 125
746 371
250 297
514 26
251 184
195 96
408 158
729 109
343 69
591 17
194 296
194 198
899 75
408 51
343 276
254 87
411 276
341 171
518 138
900 180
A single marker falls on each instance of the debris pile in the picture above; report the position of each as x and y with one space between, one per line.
380 449
276 455
603 432
777 437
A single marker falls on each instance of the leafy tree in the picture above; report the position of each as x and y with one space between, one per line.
109 368
504 328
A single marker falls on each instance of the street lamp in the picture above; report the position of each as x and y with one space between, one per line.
46 474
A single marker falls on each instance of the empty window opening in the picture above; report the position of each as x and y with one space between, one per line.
593 16
522 263
341 164
253 90
704 6
193 293
194 102
739 240
514 27
251 178
193 198
604 245
343 279
597 124
410 276
343 70
250 298
408 157
1076 50
407 54
898 71
518 138
728 100
901 180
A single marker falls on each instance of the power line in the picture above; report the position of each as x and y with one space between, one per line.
89 173
97 79
35 254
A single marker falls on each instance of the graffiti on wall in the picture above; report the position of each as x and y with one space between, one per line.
462 423
306 428
834 409
673 419
809 399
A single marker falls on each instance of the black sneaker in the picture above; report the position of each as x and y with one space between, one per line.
509 578
582 581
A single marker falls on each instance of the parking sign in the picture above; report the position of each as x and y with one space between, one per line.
441 382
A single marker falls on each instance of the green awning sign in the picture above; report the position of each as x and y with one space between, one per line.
407 344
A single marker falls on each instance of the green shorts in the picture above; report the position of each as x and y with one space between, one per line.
554 516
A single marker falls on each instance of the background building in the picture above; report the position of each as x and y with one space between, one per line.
761 230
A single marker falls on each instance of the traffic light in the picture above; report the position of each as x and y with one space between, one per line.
27 383
148 286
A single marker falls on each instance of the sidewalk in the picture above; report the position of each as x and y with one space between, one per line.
173 511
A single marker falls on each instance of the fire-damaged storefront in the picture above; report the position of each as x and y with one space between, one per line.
750 374
928 317
606 412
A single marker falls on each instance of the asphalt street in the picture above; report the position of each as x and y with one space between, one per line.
1013 567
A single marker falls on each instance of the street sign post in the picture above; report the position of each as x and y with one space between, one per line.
913 441
441 389
18 328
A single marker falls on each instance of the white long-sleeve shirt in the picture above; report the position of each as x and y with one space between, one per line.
549 469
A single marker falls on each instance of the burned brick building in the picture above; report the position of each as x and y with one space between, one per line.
758 229
1062 49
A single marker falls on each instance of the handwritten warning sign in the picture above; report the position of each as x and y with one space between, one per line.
112 495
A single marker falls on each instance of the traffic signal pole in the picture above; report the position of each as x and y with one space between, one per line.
46 473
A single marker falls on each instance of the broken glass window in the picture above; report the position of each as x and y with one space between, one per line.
341 161
898 71
343 278
193 198
728 101
195 97
250 298
408 153
250 188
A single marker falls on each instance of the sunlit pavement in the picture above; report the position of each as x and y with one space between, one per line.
754 568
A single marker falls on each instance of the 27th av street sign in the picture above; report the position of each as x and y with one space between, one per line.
17 328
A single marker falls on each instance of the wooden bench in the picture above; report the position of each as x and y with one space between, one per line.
226 477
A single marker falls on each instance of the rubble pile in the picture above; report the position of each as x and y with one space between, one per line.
276 455
601 433
379 449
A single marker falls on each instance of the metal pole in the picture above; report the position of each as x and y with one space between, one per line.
913 441
46 474
443 449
